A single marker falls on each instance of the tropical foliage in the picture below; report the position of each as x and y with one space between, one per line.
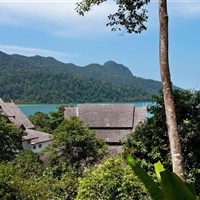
74 148
48 122
46 80
76 169
150 144
44 185
27 164
171 185
113 179
11 140
75 144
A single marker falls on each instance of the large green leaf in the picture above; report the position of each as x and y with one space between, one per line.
151 186
159 168
174 188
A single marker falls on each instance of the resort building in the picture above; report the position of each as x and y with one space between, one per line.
33 140
112 122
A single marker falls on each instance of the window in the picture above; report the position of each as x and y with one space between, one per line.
29 141
34 147
40 145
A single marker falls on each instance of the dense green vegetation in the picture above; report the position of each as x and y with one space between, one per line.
75 145
76 169
74 148
36 182
10 140
46 80
112 180
48 122
150 143
172 187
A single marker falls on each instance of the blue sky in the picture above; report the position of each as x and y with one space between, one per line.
53 28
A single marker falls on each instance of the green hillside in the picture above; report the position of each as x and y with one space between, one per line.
39 79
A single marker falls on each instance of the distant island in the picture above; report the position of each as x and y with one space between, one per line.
40 79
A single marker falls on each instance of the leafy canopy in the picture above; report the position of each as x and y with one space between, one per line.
27 164
131 14
172 187
150 144
48 123
11 140
74 143
112 179
24 177
58 82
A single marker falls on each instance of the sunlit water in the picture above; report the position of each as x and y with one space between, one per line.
31 109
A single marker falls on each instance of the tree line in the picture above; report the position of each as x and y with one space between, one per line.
39 85
45 80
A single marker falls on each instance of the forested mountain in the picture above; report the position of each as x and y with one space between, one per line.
39 79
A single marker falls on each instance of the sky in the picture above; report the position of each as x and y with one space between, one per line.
53 28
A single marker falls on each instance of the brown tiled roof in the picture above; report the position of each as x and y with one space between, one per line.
113 136
6 108
140 115
70 112
112 122
104 115
15 115
37 136
29 136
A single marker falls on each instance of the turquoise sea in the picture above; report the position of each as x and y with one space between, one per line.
31 109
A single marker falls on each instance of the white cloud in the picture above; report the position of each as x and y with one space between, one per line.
186 9
29 51
179 11
59 17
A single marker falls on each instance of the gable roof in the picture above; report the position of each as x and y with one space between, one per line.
15 115
112 122
140 115
6 108
103 115
37 136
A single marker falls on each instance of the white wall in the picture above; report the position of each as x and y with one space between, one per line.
26 145
37 148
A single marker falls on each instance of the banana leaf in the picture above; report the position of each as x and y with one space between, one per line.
172 187
151 186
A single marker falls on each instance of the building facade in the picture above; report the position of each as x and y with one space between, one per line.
33 140
112 122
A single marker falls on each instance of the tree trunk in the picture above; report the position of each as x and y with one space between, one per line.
175 147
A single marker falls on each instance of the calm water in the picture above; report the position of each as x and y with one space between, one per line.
31 109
